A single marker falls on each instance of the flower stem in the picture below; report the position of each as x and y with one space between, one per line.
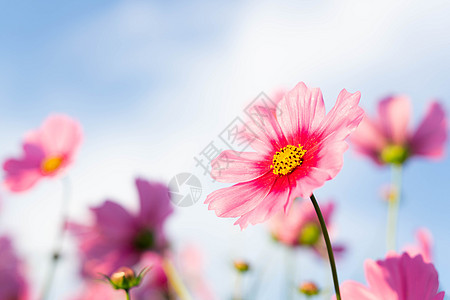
290 273
238 287
127 292
393 208
329 248
175 280
59 240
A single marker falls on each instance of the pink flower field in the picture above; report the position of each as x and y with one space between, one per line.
203 150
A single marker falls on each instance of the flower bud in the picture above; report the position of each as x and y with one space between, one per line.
308 288
241 266
125 278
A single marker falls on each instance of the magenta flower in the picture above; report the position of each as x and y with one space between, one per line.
298 148
47 152
13 284
388 140
398 277
300 227
423 246
118 237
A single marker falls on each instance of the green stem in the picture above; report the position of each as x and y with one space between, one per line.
59 240
329 248
127 292
393 208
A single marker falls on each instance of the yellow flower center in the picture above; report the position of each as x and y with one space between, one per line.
51 164
287 159
309 235
394 154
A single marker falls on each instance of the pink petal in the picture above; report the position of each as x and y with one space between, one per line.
240 198
23 173
376 278
343 118
425 240
424 246
301 110
266 134
305 185
13 282
20 181
430 136
232 166
368 139
277 199
114 221
58 135
352 290
154 202
395 112
403 277
319 165
439 296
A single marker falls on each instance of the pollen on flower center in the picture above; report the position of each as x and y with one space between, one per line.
287 159
51 164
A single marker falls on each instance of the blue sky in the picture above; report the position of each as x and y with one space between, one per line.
149 78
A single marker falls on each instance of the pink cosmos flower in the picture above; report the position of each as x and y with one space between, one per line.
117 237
47 152
298 148
398 277
423 246
301 227
387 138
13 284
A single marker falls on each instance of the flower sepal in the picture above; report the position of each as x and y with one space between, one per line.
125 278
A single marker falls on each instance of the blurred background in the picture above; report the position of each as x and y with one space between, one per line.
154 82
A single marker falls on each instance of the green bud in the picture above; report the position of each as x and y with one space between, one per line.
241 266
125 278
308 288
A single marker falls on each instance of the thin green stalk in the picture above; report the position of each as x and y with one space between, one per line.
127 293
329 248
238 287
59 240
393 208
290 272
175 280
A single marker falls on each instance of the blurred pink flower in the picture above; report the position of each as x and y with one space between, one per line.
99 290
398 277
387 138
13 284
298 148
301 227
47 152
118 237
423 246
